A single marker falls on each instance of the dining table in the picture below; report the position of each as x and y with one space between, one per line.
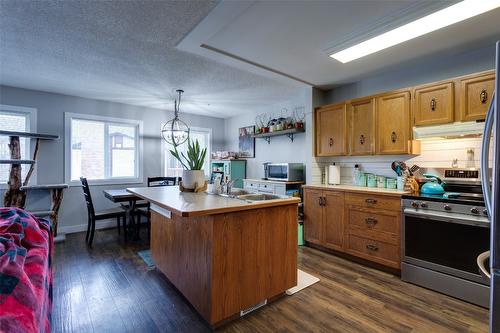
123 196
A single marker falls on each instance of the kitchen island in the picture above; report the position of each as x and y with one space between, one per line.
225 255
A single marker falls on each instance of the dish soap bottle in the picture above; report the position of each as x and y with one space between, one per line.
355 175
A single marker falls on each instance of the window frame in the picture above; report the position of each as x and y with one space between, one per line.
31 116
139 164
191 128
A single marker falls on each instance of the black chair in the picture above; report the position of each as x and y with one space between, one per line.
101 215
155 182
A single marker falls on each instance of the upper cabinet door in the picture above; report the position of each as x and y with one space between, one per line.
331 131
475 96
434 104
393 123
362 126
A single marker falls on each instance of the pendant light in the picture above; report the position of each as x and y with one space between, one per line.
175 131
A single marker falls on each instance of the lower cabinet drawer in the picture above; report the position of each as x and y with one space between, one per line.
365 220
378 251
373 201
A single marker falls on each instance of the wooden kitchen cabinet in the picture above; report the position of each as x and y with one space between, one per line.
331 124
324 218
363 225
313 216
475 96
434 104
362 126
393 123
333 219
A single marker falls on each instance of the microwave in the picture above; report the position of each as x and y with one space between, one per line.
284 171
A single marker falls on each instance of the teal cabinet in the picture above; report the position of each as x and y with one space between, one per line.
233 169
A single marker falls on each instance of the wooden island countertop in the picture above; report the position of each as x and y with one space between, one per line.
226 256
199 204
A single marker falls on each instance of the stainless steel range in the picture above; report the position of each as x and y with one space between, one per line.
443 236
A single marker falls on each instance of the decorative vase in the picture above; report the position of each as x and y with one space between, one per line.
193 178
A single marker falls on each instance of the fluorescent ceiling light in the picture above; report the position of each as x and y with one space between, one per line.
432 22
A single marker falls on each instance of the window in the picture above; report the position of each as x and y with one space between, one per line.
103 150
172 167
20 119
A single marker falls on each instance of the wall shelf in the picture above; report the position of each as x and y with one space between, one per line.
289 133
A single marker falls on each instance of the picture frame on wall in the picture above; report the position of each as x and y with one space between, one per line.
246 142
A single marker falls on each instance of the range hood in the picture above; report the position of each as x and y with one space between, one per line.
471 129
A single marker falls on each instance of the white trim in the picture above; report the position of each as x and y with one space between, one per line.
110 181
31 127
102 224
194 128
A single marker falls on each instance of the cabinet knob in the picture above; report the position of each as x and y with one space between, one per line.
362 139
331 142
372 247
483 96
433 104
370 221
394 137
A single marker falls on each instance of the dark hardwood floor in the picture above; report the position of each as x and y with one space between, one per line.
109 289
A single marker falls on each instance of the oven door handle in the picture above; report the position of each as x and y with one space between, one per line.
447 217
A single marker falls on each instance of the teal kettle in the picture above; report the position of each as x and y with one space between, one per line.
434 186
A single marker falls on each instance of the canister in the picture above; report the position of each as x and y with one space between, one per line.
381 181
362 179
390 183
371 180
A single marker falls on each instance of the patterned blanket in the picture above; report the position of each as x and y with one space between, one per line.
25 272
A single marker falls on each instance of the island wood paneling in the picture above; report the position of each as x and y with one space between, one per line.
229 262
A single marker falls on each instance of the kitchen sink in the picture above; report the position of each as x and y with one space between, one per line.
259 197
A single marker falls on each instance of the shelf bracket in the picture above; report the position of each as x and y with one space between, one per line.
290 136
268 139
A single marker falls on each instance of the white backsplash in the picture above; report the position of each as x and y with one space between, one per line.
434 153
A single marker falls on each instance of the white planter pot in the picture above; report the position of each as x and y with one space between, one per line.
193 178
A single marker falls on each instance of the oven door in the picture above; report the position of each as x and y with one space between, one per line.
444 242
278 171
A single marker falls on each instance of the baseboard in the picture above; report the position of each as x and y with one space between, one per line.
71 229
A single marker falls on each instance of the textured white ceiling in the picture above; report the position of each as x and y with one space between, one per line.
124 51
292 37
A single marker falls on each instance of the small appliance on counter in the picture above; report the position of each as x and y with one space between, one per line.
284 171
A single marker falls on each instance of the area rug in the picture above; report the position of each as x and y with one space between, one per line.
304 280
146 257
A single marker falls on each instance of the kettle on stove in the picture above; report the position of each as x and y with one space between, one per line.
434 186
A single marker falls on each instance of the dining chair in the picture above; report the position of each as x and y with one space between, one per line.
155 182
94 216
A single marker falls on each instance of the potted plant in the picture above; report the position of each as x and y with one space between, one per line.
193 174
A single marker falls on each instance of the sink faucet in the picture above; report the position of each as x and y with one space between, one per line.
229 185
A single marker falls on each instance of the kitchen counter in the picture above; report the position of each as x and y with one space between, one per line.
199 204
260 180
360 189
224 255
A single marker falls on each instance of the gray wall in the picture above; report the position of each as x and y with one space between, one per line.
50 119
281 149
417 72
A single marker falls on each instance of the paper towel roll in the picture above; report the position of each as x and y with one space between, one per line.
333 174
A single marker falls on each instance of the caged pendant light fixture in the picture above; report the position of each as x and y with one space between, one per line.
175 131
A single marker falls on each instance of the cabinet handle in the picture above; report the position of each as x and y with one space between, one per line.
372 247
433 104
483 96
362 139
324 201
320 201
370 221
394 137
371 201
331 142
